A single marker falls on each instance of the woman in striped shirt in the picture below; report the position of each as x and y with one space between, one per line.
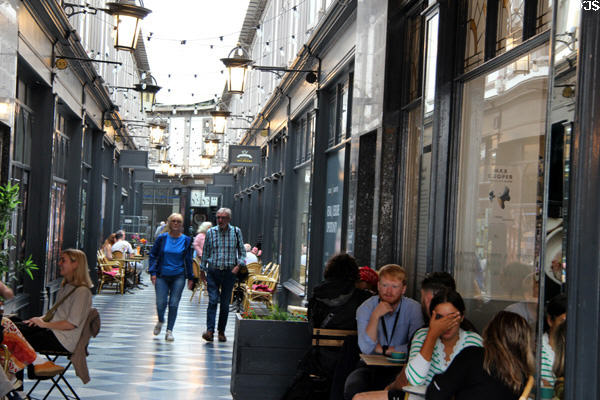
433 348
556 314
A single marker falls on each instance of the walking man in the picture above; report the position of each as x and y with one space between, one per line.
222 256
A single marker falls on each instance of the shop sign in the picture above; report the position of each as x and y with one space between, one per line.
244 156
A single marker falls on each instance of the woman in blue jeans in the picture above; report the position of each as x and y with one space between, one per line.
170 266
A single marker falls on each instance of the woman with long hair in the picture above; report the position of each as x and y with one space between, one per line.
107 246
201 235
434 347
169 266
60 328
499 371
556 314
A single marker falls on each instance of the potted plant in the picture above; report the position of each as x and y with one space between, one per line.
266 352
9 200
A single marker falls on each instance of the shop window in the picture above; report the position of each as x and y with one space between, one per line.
304 135
338 107
410 205
544 15
303 178
55 229
499 192
474 51
510 24
60 154
414 45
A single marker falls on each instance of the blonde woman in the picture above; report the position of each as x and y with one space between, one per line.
61 327
170 265
199 239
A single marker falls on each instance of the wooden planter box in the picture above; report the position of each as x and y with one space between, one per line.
265 357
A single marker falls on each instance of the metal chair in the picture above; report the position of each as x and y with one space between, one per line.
53 356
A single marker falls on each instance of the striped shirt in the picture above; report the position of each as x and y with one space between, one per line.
420 371
223 248
547 361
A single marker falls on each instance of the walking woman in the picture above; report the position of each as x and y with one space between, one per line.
170 266
498 371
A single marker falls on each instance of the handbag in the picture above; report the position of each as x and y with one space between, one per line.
50 314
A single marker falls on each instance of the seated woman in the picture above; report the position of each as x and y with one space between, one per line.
60 328
498 371
556 314
433 348
107 246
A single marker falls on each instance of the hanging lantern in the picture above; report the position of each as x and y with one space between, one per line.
205 162
237 64
128 16
157 133
164 167
211 146
148 89
219 121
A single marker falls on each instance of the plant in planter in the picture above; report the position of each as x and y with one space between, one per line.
266 352
9 200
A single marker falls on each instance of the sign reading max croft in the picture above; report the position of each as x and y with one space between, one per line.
244 156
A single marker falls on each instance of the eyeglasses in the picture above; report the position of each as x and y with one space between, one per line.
178 221
222 217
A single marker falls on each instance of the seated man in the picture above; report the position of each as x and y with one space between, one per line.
121 244
250 256
386 323
432 284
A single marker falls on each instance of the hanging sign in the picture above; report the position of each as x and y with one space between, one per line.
244 156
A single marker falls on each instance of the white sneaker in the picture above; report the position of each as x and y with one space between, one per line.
157 328
169 336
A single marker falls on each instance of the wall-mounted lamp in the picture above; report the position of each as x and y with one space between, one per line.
127 19
148 89
238 62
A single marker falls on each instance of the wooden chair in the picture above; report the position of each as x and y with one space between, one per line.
130 272
264 296
528 387
200 285
267 268
330 337
254 268
110 272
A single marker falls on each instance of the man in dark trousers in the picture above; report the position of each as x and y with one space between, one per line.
222 256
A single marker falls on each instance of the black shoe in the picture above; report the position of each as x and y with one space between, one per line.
14 395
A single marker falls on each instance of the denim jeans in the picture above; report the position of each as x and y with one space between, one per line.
168 288
220 284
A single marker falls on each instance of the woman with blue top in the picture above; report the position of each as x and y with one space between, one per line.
170 266
432 348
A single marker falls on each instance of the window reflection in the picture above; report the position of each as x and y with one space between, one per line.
500 177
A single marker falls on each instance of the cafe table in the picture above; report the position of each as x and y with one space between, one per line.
379 360
134 259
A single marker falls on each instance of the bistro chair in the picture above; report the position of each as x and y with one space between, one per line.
200 285
260 288
254 268
110 272
527 390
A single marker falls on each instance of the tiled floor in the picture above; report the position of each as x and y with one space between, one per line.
127 361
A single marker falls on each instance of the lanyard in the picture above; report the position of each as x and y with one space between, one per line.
388 341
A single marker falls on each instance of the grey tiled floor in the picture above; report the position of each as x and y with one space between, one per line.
127 361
